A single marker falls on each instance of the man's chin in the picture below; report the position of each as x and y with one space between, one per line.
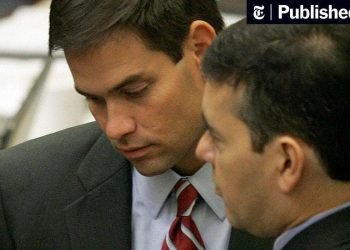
148 169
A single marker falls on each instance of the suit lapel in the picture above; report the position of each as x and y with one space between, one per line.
101 218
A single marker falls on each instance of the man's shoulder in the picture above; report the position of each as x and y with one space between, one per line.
66 139
332 232
50 186
63 146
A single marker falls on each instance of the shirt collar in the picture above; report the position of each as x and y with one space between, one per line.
154 190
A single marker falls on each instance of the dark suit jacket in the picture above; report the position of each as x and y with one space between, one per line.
333 232
71 190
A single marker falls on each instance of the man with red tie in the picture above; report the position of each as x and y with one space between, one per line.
110 184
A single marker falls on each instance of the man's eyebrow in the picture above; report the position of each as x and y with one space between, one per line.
206 124
131 79
212 130
127 81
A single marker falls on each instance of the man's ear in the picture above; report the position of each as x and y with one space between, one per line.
292 163
200 37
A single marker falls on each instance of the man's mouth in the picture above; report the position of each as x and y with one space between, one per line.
133 153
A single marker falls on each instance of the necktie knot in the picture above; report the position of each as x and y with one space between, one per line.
183 233
186 196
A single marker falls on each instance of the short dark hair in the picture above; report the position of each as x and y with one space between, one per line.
78 25
297 82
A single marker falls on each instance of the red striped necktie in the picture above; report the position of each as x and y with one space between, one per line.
183 233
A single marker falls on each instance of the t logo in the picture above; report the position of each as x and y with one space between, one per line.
259 12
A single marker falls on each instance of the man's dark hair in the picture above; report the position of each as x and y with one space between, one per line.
297 82
79 25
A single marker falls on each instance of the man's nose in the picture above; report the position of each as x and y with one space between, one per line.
119 123
205 149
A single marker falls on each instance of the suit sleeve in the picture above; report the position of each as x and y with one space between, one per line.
5 239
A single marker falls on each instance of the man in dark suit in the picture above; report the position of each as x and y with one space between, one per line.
277 109
109 184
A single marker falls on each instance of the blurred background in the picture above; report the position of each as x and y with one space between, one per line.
37 94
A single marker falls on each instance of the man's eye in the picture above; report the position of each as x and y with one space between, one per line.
135 91
213 139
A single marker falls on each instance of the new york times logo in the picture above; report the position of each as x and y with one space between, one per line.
259 12
298 11
312 12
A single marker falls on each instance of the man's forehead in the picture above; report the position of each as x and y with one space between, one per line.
222 97
212 100
121 38
214 92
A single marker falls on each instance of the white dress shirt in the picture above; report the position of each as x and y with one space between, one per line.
153 210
